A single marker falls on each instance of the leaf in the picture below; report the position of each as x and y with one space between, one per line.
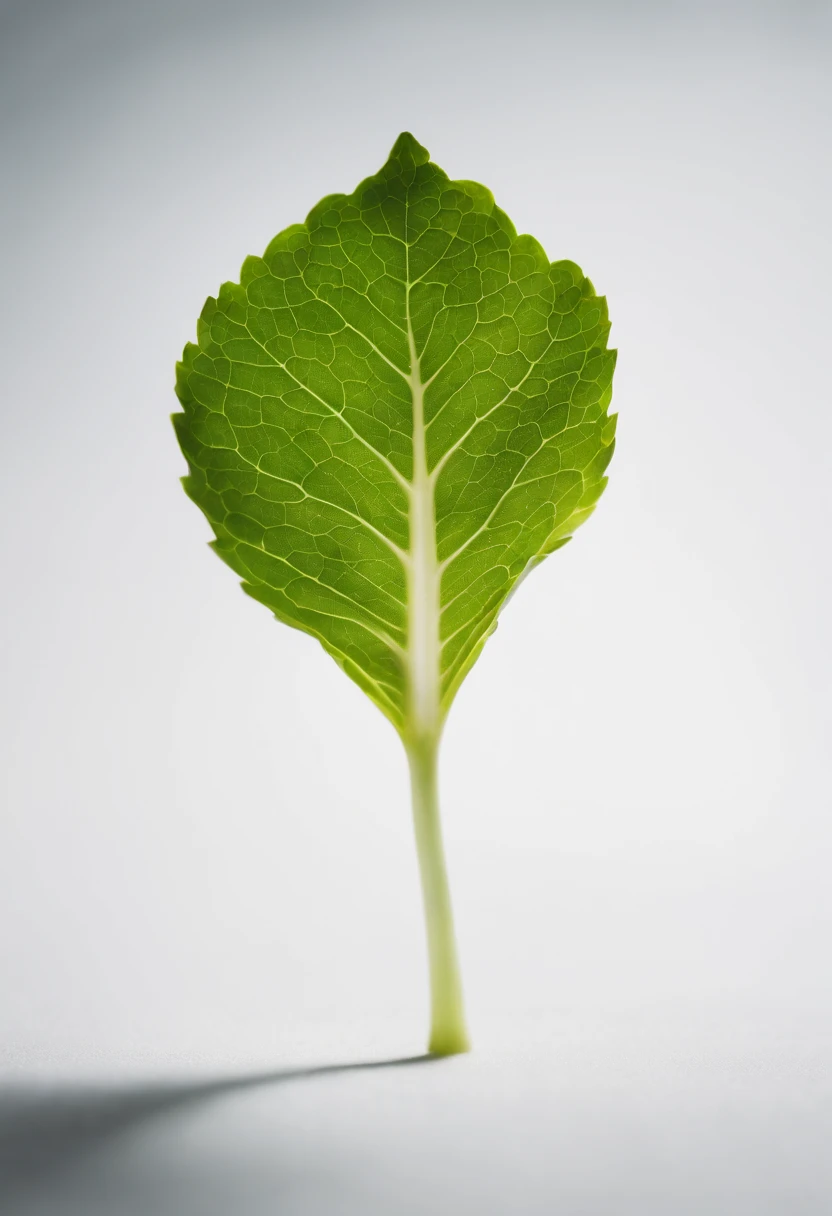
397 413
394 416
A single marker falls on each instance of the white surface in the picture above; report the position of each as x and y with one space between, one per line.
605 1120
206 861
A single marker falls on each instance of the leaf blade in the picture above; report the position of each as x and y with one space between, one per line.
398 411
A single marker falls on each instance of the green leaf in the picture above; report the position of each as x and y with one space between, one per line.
398 411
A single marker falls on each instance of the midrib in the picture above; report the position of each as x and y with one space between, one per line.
423 575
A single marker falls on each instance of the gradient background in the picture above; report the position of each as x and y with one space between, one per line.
206 864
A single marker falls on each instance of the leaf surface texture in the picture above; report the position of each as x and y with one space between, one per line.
394 415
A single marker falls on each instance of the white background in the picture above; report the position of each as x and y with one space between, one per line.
206 862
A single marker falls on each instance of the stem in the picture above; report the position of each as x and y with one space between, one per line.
424 726
448 1034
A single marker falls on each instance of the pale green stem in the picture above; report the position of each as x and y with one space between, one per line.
448 1034
424 725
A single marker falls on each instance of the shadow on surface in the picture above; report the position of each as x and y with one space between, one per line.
43 1130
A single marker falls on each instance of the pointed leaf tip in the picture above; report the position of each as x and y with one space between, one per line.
408 151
